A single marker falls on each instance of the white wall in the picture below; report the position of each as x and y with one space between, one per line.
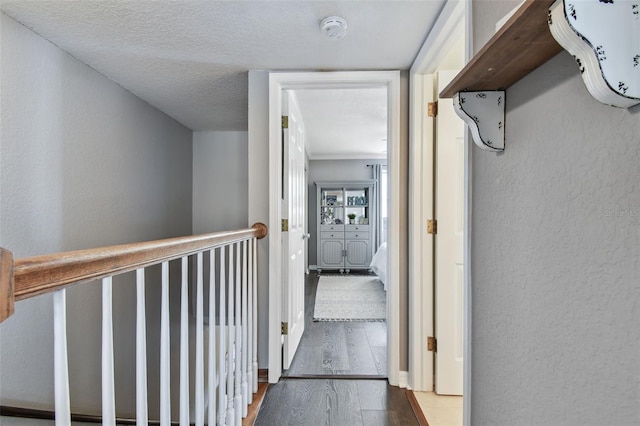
556 255
328 170
258 204
84 164
220 181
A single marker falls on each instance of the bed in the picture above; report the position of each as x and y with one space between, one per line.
379 264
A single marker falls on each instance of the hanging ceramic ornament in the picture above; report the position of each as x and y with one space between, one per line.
604 38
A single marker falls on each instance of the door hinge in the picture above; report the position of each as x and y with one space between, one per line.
432 226
432 344
284 328
285 121
285 225
432 109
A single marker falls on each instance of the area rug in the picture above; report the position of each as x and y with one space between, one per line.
350 298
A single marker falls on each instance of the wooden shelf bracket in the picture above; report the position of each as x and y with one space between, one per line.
604 38
484 114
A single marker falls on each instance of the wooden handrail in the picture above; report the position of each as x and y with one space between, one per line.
32 276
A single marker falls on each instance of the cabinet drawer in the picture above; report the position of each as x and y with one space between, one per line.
332 235
361 228
325 228
356 235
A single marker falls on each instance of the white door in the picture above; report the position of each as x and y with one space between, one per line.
306 220
293 210
449 244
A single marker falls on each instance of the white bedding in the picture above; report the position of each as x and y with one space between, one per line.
379 264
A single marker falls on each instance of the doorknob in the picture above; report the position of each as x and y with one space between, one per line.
306 236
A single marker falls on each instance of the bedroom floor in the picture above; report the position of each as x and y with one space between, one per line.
338 347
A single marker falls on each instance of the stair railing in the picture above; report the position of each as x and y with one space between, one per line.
232 364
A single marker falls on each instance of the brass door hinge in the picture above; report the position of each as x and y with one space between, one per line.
284 328
432 109
432 344
432 226
285 122
285 225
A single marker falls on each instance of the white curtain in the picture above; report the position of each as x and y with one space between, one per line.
380 215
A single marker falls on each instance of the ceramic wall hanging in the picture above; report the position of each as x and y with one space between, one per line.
604 38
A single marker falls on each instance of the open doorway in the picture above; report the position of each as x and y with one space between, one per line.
280 82
345 332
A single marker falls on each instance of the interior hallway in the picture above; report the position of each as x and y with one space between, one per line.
343 349
335 402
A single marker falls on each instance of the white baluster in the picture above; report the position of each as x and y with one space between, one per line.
184 344
199 402
212 339
142 416
237 403
254 307
249 324
165 366
222 405
108 387
245 397
61 364
230 346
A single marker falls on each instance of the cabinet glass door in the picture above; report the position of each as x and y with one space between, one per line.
357 206
332 207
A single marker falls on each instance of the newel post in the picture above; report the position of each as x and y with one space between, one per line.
6 284
261 229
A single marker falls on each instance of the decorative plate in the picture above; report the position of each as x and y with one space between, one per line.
604 38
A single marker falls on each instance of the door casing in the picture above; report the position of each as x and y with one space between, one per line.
279 81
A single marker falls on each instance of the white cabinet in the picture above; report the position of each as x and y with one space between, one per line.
344 217
331 246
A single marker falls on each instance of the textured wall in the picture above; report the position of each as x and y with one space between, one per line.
84 164
556 255
219 181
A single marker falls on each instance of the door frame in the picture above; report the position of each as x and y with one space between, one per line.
279 81
421 244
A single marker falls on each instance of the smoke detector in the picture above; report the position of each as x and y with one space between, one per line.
333 27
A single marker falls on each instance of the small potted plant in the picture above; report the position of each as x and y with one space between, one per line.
352 218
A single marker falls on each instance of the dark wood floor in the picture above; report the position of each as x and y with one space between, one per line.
338 347
335 402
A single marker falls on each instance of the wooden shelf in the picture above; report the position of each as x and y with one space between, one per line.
519 47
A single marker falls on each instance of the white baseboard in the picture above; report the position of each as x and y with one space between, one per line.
403 379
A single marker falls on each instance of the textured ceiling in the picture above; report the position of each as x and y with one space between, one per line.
190 58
